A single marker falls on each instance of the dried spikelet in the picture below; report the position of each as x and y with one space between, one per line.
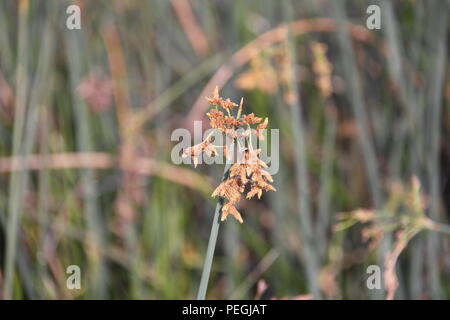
251 119
216 100
323 69
227 104
229 208
195 151
260 128
261 75
217 119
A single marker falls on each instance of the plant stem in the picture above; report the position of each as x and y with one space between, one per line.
211 244
95 232
309 252
359 107
436 226
17 181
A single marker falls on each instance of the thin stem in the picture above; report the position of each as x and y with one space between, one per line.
359 107
240 109
239 144
309 252
17 181
250 138
96 231
211 244
437 226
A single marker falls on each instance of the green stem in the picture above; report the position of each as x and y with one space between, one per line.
240 109
211 244
250 137
17 180
438 227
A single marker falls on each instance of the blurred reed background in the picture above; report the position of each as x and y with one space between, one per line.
86 176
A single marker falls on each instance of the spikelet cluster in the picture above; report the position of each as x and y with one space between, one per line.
246 177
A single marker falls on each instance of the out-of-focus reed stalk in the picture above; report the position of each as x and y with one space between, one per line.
191 28
40 92
17 180
125 203
437 49
407 128
310 253
359 108
424 152
325 216
95 235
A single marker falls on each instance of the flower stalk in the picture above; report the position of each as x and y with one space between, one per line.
211 244
246 177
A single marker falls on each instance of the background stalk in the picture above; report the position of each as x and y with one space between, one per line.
17 180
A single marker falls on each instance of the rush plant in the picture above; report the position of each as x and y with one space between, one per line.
244 174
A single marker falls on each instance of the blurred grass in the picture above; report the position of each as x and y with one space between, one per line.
137 225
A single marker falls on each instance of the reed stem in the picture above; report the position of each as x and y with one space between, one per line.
211 244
